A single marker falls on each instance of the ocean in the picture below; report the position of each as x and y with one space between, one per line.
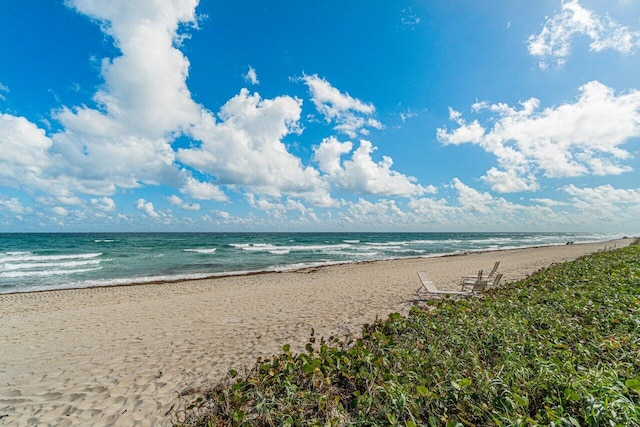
45 261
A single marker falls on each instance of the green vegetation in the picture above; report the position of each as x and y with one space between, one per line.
561 347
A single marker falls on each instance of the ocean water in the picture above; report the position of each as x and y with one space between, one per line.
33 262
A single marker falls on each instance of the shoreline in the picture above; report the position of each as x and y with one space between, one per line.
206 276
121 354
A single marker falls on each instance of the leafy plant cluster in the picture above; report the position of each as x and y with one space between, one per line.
561 348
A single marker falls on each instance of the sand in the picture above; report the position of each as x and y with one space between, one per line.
121 355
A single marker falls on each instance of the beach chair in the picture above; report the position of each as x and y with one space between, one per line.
495 282
470 281
491 273
430 290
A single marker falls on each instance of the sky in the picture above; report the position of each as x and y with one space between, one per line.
236 115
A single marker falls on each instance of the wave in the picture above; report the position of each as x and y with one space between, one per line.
29 256
41 265
44 273
279 251
268 247
201 251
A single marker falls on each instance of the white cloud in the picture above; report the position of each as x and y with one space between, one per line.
147 207
406 115
573 139
202 190
362 174
549 202
245 149
464 133
473 201
14 205
104 204
142 104
380 212
350 115
473 209
60 211
25 160
605 197
606 204
433 211
177 201
5 89
279 210
251 76
554 40
510 181
222 214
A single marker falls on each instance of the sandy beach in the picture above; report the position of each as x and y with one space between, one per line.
120 355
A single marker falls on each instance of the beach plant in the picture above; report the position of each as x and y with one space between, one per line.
559 348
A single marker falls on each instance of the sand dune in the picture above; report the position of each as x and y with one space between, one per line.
120 355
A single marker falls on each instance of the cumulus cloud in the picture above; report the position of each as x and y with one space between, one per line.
14 205
145 88
361 174
380 212
580 138
142 104
252 76
350 115
554 40
60 211
202 190
104 204
147 207
280 210
25 160
122 138
177 201
605 204
245 148
470 208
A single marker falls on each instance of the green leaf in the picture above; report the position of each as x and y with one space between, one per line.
238 416
422 390
633 384
569 394
465 382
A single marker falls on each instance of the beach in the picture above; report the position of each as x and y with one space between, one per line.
120 355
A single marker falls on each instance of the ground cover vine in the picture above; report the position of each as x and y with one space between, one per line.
561 347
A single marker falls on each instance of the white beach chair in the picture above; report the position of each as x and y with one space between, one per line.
429 289
494 282
469 281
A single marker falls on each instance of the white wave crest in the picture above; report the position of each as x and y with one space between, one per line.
40 273
26 257
41 265
201 251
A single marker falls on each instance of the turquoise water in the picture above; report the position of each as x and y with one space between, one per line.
30 262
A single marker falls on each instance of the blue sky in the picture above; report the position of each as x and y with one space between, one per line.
186 115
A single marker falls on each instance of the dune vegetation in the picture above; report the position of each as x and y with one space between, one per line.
561 347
